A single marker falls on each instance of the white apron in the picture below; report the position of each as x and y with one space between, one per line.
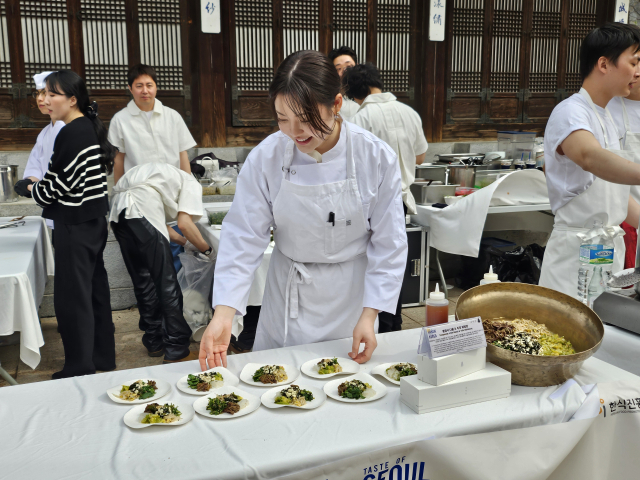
315 283
631 144
603 201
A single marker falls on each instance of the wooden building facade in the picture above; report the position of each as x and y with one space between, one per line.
504 64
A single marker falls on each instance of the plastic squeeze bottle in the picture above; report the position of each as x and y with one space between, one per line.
490 277
437 308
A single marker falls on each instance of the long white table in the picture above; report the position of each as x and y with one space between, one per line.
621 348
26 260
70 429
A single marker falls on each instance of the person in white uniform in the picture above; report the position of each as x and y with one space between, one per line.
332 192
344 58
40 156
626 115
144 200
588 174
146 131
400 127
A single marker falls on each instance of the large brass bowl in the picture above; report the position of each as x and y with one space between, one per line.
561 314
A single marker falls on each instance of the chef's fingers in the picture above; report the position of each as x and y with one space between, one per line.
369 347
223 355
356 345
203 358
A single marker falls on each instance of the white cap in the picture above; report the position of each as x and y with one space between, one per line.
437 294
491 276
40 79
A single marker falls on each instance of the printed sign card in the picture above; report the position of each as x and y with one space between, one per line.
453 337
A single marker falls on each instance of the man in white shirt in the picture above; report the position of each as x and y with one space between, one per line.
40 156
400 127
390 120
144 200
344 58
588 176
146 131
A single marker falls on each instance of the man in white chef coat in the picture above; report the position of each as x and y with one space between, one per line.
144 200
40 155
400 127
146 131
344 58
588 174
626 115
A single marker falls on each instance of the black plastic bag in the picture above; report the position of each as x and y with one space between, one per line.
521 264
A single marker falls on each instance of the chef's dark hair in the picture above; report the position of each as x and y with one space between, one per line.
306 80
139 70
608 41
357 80
70 84
337 52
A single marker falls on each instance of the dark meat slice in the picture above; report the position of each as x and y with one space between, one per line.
232 407
495 330
151 408
153 384
203 387
342 388
268 378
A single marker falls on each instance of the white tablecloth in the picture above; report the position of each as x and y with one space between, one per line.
457 229
70 429
621 348
26 260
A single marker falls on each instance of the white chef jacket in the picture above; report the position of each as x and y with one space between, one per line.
157 192
633 111
401 127
40 156
565 179
245 229
159 137
349 108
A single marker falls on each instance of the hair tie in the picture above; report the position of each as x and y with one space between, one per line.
92 110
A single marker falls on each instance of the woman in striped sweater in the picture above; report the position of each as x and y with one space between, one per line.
73 193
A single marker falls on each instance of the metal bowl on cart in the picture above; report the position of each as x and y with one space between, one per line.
561 313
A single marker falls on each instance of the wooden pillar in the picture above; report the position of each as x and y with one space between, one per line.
372 32
133 32
76 47
211 89
325 26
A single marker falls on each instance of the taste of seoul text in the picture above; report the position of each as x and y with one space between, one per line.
399 471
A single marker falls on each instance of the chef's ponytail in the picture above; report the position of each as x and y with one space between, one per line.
306 79
70 84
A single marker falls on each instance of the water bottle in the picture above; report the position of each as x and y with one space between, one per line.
596 251
596 285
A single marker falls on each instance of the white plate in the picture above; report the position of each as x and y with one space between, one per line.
230 380
200 405
319 397
133 418
331 388
163 389
382 371
250 368
349 367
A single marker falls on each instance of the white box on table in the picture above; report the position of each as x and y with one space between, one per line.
445 369
489 384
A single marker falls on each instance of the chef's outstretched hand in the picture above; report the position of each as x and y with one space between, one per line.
364 332
216 338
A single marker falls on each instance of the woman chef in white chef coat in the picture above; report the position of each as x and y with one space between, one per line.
588 174
332 192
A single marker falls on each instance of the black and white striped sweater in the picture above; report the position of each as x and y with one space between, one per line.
74 189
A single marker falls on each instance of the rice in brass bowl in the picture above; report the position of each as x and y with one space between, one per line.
561 313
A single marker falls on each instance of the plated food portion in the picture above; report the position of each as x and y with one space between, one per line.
226 402
268 375
359 388
526 336
393 372
303 397
150 414
204 382
329 366
139 391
